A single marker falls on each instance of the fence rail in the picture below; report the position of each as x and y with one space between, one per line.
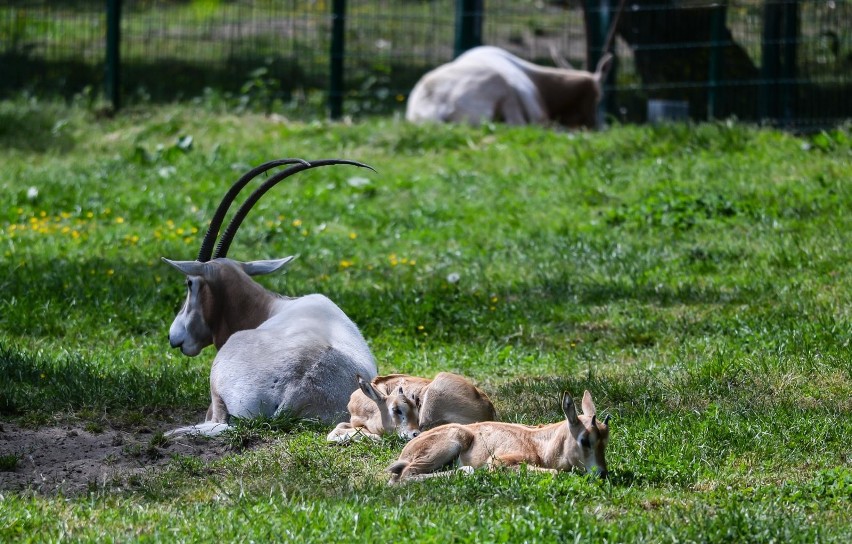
783 61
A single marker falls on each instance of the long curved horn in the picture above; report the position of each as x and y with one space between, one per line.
204 253
228 235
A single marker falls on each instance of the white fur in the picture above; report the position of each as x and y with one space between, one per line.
300 355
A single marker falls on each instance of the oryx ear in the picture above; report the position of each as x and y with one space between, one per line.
368 389
259 268
568 409
604 66
588 404
190 268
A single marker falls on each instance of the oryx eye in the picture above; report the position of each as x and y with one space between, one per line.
189 283
397 412
584 441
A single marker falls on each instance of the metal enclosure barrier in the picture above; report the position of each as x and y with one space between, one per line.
783 62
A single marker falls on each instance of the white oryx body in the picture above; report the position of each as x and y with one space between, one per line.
410 404
487 83
302 355
579 442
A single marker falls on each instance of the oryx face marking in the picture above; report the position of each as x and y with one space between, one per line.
190 331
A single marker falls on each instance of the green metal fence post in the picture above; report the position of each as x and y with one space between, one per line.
770 60
717 24
338 51
597 21
788 68
112 74
468 25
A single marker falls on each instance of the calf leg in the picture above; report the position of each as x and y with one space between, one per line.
430 452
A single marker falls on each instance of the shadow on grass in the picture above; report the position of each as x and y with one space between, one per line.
32 383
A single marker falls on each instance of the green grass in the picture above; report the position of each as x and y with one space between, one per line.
694 278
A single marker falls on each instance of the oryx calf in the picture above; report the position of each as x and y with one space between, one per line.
275 353
490 84
410 404
579 442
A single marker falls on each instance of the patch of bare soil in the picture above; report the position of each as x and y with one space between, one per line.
69 459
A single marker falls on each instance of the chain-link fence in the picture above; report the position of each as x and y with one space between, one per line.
787 61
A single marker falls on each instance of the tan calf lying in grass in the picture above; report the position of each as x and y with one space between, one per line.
579 442
410 404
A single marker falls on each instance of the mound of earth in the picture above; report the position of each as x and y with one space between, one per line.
69 459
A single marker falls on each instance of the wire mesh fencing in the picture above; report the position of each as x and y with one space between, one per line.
784 61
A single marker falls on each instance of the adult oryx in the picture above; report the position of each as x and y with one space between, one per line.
490 84
275 353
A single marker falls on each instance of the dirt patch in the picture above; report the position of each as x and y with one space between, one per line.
69 459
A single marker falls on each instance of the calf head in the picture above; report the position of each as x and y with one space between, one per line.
214 291
587 436
399 413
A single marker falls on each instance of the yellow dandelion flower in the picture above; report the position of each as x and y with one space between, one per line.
346 263
179 231
119 220
89 215
420 327
297 222
352 236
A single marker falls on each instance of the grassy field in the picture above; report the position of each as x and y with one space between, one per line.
695 278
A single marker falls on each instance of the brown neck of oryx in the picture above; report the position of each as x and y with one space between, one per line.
241 306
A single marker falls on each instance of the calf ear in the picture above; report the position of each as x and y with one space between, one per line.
190 268
568 409
368 389
259 268
588 404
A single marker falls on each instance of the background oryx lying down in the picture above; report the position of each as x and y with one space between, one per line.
410 404
276 353
579 442
490 84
